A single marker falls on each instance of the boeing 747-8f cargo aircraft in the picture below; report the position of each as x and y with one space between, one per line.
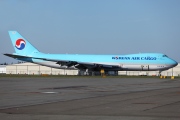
133 62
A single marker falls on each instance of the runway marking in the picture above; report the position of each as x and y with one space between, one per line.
66 87
50 92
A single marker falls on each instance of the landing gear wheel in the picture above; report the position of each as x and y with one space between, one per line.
159 73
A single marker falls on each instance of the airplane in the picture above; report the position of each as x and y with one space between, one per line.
25 51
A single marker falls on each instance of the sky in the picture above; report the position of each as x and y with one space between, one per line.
93 26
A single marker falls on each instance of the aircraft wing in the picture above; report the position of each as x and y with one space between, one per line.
69 63
81 65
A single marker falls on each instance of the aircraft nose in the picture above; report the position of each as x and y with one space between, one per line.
174 63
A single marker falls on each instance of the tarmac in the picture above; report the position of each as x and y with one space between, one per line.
89 98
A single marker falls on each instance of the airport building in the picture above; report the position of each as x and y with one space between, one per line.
2 69
34 69
171 72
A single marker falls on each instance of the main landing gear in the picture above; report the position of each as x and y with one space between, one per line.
159 73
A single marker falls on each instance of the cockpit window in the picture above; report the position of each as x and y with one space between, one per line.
165 56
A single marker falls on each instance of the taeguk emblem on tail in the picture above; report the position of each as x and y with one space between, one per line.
20 44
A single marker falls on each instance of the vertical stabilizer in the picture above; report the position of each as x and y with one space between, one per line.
21 45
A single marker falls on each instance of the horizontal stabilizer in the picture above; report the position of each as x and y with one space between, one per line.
16 56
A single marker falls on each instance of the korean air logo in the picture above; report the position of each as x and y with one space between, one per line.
20 44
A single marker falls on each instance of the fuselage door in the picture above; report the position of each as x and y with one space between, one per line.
145 67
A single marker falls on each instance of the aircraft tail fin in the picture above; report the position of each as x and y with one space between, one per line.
21 45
